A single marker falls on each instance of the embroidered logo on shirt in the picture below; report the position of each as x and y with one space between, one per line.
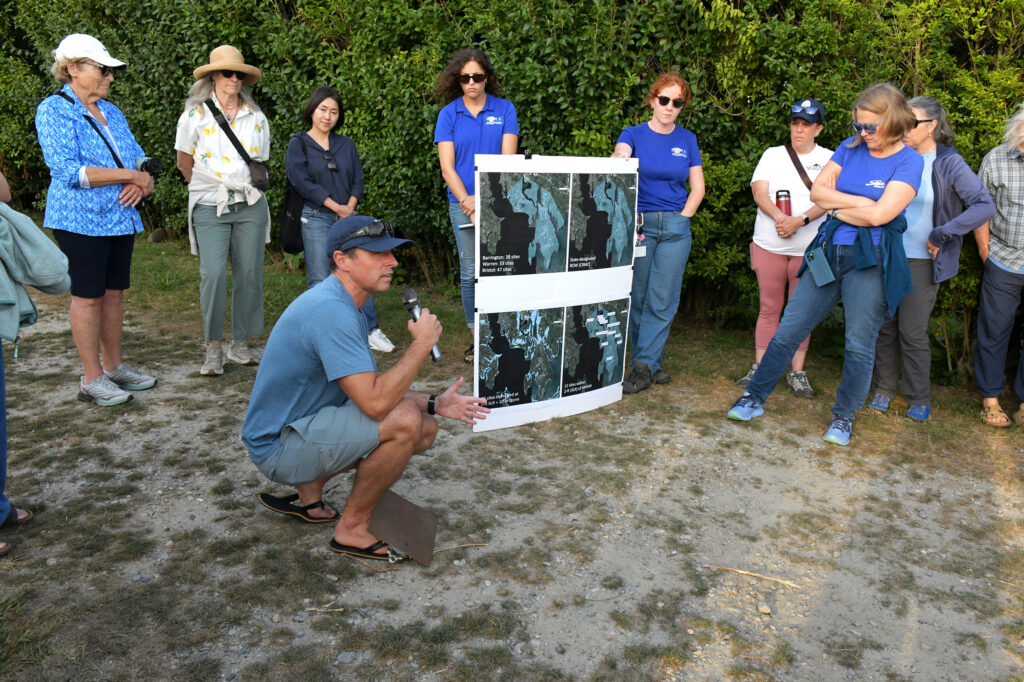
493 121
677 151
877 184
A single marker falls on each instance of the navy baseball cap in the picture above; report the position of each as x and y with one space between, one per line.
363 232
809 110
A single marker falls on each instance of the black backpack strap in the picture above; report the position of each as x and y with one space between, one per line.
226 127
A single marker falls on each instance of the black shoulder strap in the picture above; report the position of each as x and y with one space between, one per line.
96 127
799 166
226 127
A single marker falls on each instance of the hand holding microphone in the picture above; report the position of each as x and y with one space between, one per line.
411 301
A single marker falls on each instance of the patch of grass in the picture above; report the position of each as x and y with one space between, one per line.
848 651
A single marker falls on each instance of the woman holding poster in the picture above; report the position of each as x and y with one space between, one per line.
669 159
474 121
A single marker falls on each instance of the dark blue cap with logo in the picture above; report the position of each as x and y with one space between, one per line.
364 232
809 110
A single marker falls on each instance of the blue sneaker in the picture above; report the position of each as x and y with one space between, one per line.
745 409
880 402
919 413
839 430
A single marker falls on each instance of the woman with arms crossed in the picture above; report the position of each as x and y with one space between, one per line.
867 186
474 121
669 159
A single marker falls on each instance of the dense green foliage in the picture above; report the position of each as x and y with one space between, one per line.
577 72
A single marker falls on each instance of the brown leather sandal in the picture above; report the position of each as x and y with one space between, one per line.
991 414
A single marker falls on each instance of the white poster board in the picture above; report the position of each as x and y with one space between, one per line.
554 265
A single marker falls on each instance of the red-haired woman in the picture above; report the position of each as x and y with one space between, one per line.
669 160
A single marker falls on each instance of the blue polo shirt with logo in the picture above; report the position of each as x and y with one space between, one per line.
867 176
665 161
474 135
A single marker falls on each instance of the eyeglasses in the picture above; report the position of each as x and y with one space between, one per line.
464 78
228 73
375 229
869 128
798 108
330 163
677 103
923 120
104 69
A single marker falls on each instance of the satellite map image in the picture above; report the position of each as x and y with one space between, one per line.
520 356
595 345
602 221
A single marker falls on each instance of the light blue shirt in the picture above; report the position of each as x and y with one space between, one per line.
920 221
70 143
320 338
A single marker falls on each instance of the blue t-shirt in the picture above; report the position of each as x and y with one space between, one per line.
665 161
471 135
920 222
320 337
867 176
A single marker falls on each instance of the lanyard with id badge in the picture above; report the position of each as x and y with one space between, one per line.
639 249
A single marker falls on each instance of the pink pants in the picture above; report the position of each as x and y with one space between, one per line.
773 271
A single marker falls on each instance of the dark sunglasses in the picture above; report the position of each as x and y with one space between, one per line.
228 73
464 78
677 103
375 229
869 128
796 108
330 163
104 70
923 120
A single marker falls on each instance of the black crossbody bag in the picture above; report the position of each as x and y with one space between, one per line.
291 213
259 174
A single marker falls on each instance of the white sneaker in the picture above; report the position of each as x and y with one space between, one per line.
380 342
214 363
102 391
240 353
131 379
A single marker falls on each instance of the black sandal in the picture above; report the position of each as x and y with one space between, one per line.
283 505
468 355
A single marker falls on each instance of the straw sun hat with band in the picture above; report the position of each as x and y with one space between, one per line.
228 58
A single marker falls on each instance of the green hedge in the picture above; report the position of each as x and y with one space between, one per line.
577 73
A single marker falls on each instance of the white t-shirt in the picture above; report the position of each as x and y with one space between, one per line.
778 170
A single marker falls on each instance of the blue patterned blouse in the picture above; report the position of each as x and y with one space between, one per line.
70 143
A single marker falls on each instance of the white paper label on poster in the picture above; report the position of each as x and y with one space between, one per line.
554 263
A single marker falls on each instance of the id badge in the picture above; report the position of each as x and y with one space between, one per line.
639 248
817 263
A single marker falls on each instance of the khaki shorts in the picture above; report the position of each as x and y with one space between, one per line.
322 444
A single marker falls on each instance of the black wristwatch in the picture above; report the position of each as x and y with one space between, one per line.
806 219
430 403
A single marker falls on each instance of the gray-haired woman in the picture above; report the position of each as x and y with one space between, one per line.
952 201
226 212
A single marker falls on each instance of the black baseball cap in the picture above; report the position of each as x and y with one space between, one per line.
364 232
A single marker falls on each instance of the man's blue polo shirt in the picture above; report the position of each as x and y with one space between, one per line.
472 136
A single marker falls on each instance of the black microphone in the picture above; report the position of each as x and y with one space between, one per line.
412 303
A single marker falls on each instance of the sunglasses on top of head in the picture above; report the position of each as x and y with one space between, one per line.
678 102
228 73
464 78
869 128
375 229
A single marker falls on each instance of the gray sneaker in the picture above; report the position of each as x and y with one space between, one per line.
745 381
214 363
131 379
102 391
662 377
797 382
240 353
638 379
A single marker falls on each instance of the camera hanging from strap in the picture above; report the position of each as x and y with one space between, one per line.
258 172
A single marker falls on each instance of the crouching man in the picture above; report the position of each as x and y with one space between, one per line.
319 407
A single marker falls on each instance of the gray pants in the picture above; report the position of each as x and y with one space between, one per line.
906 336
242 231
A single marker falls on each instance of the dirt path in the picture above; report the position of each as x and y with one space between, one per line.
605 538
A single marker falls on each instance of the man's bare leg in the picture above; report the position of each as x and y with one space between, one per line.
311 492
400 434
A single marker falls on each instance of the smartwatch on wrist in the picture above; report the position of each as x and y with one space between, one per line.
806 219
431 400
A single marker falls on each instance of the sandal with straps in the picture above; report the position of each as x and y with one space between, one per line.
991 413
283 505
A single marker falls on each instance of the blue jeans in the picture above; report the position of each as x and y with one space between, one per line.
316 223
864 309
5 504
657 282
465 240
